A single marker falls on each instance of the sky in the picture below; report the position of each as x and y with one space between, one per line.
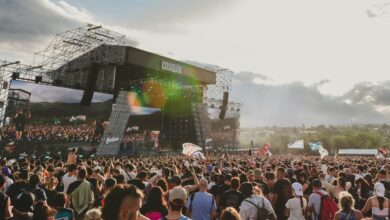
308 62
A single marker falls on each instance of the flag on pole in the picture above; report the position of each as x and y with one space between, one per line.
315 146
189 149
265 150
209 140
56 121
198 155
298 144
323 152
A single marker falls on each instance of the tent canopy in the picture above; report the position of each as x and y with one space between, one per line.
357 151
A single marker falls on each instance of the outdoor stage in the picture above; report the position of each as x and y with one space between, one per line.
163 99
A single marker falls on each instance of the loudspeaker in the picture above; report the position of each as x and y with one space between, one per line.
57 82
15 75
224 105
90 85
5 85
38 79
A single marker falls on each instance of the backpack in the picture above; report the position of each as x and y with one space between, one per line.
262 212
328 208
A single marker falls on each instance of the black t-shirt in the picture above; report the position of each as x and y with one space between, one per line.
15 189
51 197
73 186
231 198
3 201
28 216
93 182
282 188
263 186
222 189
138 183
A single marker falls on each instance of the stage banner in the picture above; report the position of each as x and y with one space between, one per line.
298 144
315 146
189 149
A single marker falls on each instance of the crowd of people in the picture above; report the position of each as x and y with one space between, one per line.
224 186
222 139
37 133
139 141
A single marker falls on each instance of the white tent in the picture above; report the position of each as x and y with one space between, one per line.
366 152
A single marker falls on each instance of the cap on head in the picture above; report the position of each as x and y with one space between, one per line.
297 187
379 189
177 193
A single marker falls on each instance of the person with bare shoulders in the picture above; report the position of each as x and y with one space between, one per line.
347 211
72 157
379 204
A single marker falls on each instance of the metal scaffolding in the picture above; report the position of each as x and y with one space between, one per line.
63 48
223 84
70 44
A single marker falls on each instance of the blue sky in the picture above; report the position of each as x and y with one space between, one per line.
331 48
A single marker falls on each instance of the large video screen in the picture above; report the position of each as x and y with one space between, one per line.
44 119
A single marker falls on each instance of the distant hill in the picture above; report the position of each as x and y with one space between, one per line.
98 110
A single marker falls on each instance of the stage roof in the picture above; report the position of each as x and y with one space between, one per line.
114 55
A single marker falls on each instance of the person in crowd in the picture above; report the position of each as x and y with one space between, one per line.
325 184
232 197
340 187
295 207
230 213
23 206
81 194
314 204
222 188
20 123
72 156
155 207
124 202
331 175
177 199
69 177
139 181
347 210
19 186
93 214
42 211
39 193
258 178
50 191
252 202
378 204
62 213
109 185
201 205
281 193
5 201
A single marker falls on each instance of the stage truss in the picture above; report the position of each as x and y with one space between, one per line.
70 44
63 48
214 93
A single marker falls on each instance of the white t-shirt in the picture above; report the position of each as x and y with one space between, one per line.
67 180
295 207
